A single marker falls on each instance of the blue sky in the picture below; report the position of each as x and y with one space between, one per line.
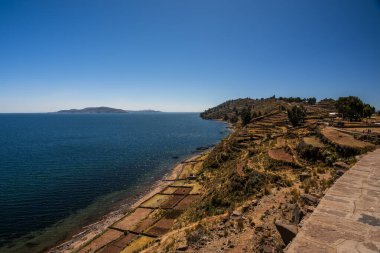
184 55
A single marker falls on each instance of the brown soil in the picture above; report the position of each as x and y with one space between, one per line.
186 202
161 227
119 244
280 155
183 190
141 227
131 220
170 203
107 237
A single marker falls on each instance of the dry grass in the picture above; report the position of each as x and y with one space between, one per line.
138 244
190 169
343 139
155 201
313 141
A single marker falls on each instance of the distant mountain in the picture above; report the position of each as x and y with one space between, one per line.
94 110
102 109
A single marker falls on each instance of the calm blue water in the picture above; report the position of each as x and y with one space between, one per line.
55 169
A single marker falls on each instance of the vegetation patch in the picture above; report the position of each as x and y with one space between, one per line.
297 115
235 189
310 148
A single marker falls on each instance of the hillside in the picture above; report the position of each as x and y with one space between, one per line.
266 177
231 110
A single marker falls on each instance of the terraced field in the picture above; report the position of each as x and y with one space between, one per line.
280 155
343 139
154 217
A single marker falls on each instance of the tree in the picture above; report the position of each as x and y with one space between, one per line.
296 115
245 116
350 107
368 110
311 101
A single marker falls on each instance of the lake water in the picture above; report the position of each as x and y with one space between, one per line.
59 171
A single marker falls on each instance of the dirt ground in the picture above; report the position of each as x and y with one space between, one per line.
280 155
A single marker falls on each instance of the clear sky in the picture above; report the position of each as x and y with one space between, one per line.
184 55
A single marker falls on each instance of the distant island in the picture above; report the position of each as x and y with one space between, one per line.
94 110
101 109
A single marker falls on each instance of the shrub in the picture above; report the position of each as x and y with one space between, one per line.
245 116
309 152
233 119
296 115
195 236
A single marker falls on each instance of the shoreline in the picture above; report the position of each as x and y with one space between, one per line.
87 233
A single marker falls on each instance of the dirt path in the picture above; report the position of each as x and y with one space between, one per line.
348 216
